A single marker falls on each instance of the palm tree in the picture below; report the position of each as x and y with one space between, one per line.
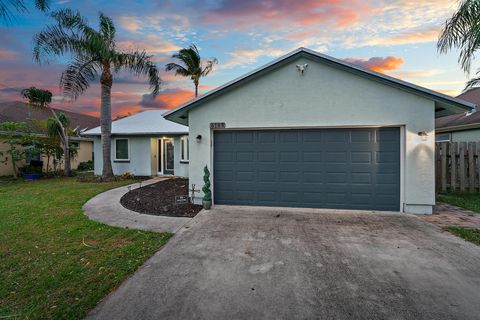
94 52
41 99
462 31
8 6
192 66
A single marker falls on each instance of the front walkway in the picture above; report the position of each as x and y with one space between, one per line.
106 208
445 215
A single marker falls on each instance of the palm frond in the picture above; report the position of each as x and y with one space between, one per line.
107 29
462 31
42 5
179 69
78 76
7 7
209 66
140 64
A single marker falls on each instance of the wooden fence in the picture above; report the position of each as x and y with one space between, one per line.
457 166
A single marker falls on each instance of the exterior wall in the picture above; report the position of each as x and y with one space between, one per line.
85 149
6 168
180 167
144 155
466 136
324 97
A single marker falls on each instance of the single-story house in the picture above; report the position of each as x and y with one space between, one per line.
17 111
145 144
309 130
461 127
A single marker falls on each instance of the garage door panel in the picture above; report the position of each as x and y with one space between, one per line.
326 168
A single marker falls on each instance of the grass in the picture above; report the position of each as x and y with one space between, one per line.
470 201
472 235
54 262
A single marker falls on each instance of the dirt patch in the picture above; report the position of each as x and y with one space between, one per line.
159 199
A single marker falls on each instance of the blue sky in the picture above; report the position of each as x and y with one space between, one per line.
396 37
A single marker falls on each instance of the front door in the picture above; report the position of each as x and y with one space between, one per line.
167 156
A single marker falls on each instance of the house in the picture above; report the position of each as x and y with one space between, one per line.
145 144
17 111
308 130
461 127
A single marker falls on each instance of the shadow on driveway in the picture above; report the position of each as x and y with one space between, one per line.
268 263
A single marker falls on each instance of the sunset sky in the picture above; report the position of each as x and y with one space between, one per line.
396 37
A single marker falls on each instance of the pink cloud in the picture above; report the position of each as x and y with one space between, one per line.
378 64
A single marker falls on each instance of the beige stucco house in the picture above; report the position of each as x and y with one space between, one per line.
17 111
308 130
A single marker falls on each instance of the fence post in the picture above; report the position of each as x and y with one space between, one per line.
462 167
471 167
443 166
453 166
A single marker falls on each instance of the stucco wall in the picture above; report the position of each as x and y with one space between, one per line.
324 97
466 136
143 157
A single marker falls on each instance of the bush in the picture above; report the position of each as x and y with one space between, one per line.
85 166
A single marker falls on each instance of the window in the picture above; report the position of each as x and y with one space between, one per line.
184 151
442 137
121 150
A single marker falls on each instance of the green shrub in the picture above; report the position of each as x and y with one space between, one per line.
85 166
206 187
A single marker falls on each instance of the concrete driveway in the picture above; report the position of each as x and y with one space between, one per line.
264 263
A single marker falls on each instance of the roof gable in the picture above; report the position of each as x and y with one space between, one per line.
444 105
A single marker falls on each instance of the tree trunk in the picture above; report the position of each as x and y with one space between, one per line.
106 121
14 167
196 89
66 151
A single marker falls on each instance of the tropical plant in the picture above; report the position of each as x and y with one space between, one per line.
41 99
462 31
207 193
7 7
16 136
191 65
94 53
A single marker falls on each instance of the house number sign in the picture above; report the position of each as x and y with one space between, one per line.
217 125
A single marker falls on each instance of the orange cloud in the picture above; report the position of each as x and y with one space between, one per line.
377 64
6 54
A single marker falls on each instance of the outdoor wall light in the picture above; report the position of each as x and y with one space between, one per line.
423 135
199 138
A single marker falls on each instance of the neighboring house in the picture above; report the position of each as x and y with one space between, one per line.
145 144
333 136
462 127
17 111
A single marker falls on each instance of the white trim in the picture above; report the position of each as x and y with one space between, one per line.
403 161
165 153
161 155
184 149
115 149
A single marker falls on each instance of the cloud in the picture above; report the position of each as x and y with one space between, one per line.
6 54
167 99
150 43
378 64
244 57
129 23
410 37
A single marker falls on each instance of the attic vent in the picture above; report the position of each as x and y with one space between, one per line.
183 117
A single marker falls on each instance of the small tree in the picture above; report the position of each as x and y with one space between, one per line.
41 99
207 193
16 136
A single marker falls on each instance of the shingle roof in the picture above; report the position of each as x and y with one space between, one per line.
144 123
18 111
462 120
444 105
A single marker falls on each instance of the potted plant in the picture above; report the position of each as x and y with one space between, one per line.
207 193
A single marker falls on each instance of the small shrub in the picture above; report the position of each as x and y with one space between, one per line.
206 187
85 166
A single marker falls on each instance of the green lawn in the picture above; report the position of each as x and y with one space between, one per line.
54 262
472 235
470 201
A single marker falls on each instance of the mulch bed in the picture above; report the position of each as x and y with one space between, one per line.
159 199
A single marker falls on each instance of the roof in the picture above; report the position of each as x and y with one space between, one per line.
18 111
444 104
148 122
461 121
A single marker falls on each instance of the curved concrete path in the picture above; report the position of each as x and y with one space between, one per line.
106 208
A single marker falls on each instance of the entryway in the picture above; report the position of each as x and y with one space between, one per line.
165 160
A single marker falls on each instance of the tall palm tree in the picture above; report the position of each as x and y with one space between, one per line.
41 99
462 31
94 53
7 7
192 65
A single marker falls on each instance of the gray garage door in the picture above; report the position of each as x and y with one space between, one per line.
317 168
